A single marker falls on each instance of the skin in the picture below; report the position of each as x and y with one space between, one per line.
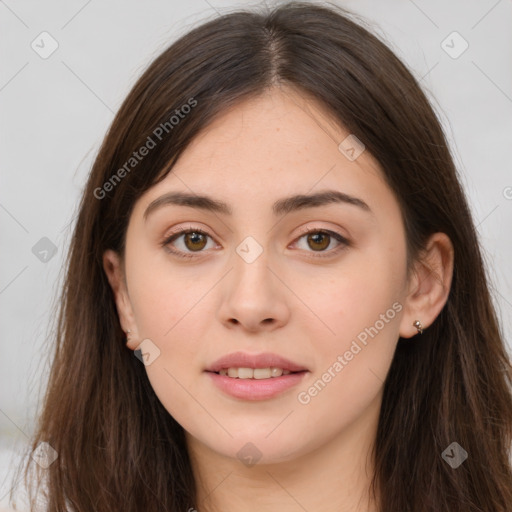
309 309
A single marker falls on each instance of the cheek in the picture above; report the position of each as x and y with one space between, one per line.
166 312
362 307
351 368
168 304
353 296
162 293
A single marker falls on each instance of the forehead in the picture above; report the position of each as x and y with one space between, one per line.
278 144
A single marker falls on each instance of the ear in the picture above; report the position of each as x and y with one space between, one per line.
113 266
429 285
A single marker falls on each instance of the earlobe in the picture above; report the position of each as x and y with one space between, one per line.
113 268
429 285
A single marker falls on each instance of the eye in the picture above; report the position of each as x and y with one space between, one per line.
320 239
195 240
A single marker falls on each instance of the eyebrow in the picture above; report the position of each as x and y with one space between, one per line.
280 207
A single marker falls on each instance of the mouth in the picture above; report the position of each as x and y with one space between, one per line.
255 376
255 373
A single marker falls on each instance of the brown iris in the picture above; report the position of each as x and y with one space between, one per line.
197 241
321 240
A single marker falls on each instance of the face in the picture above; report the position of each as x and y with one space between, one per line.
318 283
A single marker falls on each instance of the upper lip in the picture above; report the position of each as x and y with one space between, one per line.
244 360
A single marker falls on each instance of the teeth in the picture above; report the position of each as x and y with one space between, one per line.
256 373
243 373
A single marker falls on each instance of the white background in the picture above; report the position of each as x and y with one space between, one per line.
55 112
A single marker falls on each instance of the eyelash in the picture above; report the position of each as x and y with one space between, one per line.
339 238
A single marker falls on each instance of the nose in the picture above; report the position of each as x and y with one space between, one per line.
254 296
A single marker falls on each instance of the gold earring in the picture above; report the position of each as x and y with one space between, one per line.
418 326
127 335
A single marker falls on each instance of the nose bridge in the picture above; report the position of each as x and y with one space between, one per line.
251 296
251 262
250 250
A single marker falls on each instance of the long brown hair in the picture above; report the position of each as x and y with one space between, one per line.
118 448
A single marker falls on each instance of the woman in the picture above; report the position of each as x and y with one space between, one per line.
275 229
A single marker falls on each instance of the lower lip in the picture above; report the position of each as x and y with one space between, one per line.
256 389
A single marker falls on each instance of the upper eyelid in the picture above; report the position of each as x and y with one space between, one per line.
306 230
302 231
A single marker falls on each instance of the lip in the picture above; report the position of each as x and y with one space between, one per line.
264 360
256 389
